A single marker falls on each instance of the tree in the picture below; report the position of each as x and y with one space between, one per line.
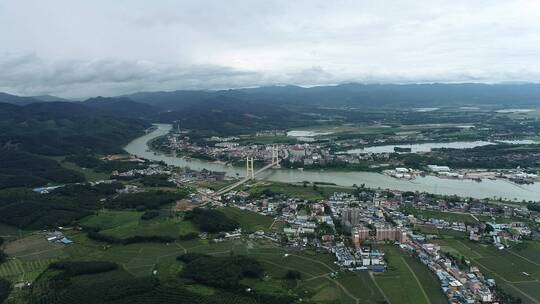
5 289
293 275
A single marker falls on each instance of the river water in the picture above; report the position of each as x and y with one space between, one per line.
427 147
431 184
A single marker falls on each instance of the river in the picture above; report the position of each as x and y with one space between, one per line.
431 184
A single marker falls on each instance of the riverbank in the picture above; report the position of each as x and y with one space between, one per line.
430 184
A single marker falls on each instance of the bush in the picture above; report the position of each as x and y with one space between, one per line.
3 256
189 236
293 275
148 215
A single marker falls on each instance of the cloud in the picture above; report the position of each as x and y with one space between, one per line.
29 74
78 48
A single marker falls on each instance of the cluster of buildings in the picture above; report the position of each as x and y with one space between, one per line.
518 176
152 169
308 152
58 237
350 226
460 285
501 235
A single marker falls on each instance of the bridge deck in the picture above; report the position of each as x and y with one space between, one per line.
244 180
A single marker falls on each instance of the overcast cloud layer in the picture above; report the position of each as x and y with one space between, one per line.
83 48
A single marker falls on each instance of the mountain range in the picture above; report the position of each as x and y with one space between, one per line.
234 110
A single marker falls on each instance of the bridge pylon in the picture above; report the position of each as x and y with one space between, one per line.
250 168
275 157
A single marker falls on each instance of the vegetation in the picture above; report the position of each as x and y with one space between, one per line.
73 268
515 270
305 191
30 210
150 214
210 220
156 181
123 227
100 237
5 289
501 156
3 255
223 272
419 285
293 275
147 200
22 169
56 129
249 221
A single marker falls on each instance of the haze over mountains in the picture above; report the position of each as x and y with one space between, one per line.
352 94
268 107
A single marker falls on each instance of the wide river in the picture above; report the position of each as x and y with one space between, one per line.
485 189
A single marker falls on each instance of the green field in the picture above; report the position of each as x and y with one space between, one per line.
516 271
407 280
441 233
448 216
123 224
141 259
32 254
29 256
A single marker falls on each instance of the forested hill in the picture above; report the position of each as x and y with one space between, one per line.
121 106
31 135
229 115
60 128
355 95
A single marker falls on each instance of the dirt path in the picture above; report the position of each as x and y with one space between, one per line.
379 287
417 280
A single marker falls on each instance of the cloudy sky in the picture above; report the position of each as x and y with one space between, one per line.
81 48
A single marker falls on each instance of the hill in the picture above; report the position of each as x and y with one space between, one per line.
32 134
18 100
231 115
120 106
48 98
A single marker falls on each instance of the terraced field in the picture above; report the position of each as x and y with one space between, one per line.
516 271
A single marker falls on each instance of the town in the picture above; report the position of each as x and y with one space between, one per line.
357 225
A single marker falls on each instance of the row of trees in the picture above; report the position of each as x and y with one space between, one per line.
100 237
74 268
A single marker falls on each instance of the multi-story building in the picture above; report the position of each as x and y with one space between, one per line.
359 234
389 233
350 217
